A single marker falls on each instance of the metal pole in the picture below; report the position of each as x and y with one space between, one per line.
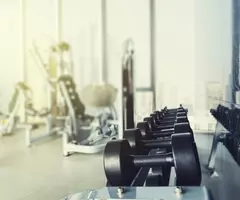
104 50
152 50
235 48
59 20
23 56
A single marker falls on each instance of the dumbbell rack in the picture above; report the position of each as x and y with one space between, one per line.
226 131
163 141
144 193
118 165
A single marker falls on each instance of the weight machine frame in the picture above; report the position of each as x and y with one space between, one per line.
70 126
22 94
218 137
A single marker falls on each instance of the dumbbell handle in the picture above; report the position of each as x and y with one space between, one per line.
153 160
157 143
162 134
164 126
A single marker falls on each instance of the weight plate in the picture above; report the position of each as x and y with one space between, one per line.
145 130
134 137
150 122
187 167
118 163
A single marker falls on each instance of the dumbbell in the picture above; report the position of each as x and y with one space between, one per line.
166 116
139 144
157 121
149 134
121 166
143 143
164 127
174 110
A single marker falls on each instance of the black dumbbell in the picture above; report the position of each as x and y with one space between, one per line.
167 116
165 127
158 121
121 166
149 134
172 110
141 145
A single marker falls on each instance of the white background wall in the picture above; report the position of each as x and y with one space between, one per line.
10 56
213 43
175 54
193 45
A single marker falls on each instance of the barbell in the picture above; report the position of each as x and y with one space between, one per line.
121 166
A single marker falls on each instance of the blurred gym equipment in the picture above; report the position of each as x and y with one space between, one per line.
10 122
85 133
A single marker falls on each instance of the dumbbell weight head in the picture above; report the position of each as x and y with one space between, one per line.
169 121
121 166
171 118
172 109
141 146
154 127
178 128
148 134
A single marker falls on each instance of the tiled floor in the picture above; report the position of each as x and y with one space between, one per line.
41 172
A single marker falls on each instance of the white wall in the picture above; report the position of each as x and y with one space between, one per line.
81 26
193 45
40 19
10 50
193 49
213 43
175 52
125 20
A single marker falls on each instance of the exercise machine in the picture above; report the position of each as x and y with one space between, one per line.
10 122
84 133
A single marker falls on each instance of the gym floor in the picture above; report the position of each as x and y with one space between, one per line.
41 172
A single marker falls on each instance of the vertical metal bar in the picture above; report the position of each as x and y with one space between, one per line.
59 20
152 49
104 44
55 95
235 49
92 52
58 36
23 57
